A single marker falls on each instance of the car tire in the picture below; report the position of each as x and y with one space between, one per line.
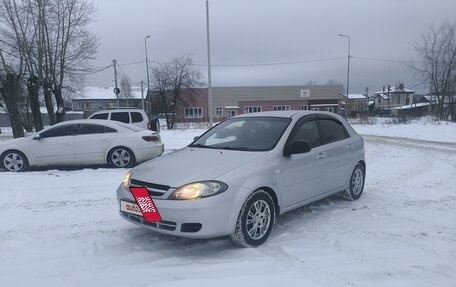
255 220
356 184
14 160
121 157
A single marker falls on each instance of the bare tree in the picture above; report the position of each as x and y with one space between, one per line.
52 38
67 44
11 75
125 89
19 29
170 81
332 82
437 66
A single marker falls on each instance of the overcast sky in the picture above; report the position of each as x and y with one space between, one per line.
269 31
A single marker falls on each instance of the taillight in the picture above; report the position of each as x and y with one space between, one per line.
152 138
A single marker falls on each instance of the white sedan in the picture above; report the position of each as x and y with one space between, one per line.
81 142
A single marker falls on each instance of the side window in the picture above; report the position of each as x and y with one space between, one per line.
308 132
102 116
61 131
109 130
136 117
90 129
332 130
120 117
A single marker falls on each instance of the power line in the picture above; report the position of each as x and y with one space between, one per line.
132 63
385 60
126 76
96 70
277 64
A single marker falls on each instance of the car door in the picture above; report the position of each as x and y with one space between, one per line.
300 175
92 142
54 146
338 152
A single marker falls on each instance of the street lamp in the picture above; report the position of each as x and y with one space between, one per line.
348 68
209 87
147 70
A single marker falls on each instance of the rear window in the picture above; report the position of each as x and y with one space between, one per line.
102 116
136 117
130 127
120 117
85 129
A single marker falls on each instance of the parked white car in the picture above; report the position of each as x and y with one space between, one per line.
238 176
81 142
135 117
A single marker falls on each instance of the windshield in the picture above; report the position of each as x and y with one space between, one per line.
252 134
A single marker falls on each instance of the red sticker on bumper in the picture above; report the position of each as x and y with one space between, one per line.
146 204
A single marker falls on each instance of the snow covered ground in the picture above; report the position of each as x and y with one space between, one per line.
423 129
62 228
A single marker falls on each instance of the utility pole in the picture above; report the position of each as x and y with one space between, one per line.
142 94
209 88
147 73
348 68
116 89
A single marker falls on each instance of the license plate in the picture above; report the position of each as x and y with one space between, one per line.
130 207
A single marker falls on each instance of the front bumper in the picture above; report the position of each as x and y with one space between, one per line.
216 215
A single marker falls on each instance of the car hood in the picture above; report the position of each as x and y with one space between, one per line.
192 164
12 142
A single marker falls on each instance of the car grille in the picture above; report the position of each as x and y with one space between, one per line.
165 225
155 190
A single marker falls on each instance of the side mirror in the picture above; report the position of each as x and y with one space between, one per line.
195 138
37 137
154 125
297 147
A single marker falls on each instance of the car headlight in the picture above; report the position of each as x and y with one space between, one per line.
198 190
126 180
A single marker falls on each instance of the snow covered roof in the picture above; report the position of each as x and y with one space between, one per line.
102 93
412 106
356 96
384 96
395 90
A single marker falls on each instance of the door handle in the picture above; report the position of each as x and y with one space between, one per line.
320 155
105 140
349 146
67 144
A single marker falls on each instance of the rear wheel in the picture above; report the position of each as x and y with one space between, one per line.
356 185
255 221
14 161
121 157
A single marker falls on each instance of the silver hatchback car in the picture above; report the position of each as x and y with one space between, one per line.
236 178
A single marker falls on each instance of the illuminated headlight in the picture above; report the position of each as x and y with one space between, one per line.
198 190
126 180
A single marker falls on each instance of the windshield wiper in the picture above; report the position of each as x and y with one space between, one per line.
202 146
238 148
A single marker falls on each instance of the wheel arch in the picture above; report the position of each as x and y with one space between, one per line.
273 195
363 163
242 196
3 154
108 152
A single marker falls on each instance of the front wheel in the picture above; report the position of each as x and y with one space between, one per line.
255 221
14 161
356 185
121 157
